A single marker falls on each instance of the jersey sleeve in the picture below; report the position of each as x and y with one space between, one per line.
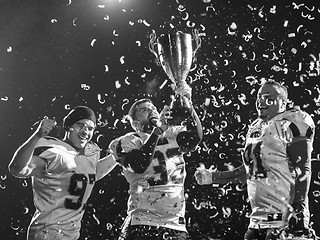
122 145
92 151
50 150
299 151
301 124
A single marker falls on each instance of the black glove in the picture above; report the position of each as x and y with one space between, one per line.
296 223
298 227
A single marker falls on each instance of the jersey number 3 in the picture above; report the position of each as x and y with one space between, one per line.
161 169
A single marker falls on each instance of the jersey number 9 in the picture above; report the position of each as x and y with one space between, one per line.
77 187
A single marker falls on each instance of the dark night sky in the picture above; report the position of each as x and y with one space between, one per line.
56 54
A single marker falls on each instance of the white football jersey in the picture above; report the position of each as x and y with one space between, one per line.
61 190
157 195
270 173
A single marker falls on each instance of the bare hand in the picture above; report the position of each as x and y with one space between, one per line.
184 90
203 176
287 212
165 114
45 126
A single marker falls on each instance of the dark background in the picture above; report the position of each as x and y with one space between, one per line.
56 54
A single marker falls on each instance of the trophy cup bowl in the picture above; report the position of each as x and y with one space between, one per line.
175 52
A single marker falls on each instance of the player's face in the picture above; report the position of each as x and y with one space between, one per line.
81 133
146 111
269 102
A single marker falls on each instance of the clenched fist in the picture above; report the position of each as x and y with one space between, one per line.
45 126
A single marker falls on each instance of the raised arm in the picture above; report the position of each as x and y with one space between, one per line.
193 136
23 162
131 152
140 159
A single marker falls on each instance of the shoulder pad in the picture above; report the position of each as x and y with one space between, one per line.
51 142
126 143
298 116
91 149
50 138
302 123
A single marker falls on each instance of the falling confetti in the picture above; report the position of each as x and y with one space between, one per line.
97 55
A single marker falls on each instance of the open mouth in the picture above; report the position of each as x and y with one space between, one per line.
153 115
263 107
83 138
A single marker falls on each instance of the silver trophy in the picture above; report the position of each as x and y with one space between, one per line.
176 52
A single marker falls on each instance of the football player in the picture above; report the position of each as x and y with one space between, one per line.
277 160
63 174
154 166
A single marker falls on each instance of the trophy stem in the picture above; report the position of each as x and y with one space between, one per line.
179 111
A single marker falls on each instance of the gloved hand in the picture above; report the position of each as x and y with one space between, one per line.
296 223
297 226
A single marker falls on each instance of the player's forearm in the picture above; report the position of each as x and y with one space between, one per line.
189 140
105 166
149 147
238 175
19 164
140 159
211 177
197 123
299 153
301 193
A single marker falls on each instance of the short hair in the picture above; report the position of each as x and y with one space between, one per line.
133 109
281 89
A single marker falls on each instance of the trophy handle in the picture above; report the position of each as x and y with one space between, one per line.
195 33
152 43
